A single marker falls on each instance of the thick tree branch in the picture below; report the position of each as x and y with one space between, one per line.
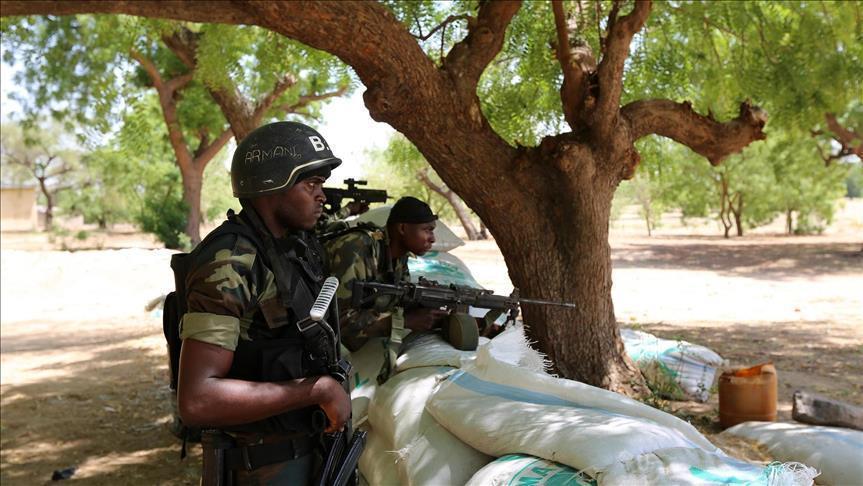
447 21
306 100
206 153
193 11
850 141
703 134
610 70
167 101
577 64
468 59
264 104
184 44
404 87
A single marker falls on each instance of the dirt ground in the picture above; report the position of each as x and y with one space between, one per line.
83 368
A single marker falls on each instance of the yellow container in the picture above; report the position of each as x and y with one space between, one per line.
747 394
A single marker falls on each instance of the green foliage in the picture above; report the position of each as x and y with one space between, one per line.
395 169
854 182
216 195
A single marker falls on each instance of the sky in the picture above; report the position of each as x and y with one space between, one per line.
347 127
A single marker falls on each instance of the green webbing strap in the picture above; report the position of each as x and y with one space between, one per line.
397 335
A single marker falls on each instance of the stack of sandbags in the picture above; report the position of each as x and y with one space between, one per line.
673 369
406 444
501 408
366 365
424 452
836 452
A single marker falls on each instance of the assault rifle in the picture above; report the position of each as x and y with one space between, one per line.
454 298
364 196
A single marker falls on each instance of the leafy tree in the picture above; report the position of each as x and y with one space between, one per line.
806 192
559 152
212 81
40 154
403 171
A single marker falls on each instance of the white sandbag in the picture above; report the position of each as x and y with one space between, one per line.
366 362
836 452
378 461
428 453
430 349
441 267
674 369
518 469
687 466
499 408
445 239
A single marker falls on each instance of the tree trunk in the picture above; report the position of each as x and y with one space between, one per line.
193 180
483 231
738 214
789 226
564 232
725 206
49 203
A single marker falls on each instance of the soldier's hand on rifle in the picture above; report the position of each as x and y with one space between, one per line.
424 319
335 402
357 207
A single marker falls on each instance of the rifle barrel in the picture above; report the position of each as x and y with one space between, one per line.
547 302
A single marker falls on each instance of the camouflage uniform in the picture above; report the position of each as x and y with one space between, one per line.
233 302
326 221
363 254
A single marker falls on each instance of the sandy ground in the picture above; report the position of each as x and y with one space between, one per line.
83 369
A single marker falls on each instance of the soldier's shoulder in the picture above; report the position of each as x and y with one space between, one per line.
360 236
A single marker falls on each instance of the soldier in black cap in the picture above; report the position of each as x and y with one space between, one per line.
373 254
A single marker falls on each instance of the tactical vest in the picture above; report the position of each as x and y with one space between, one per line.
280 353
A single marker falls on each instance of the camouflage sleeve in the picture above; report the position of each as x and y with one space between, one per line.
352 257
221 291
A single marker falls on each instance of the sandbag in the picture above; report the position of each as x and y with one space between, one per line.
499 408
430 349
427 453
441 267
367 362
519 469
378 461
673 369
687 466
836 452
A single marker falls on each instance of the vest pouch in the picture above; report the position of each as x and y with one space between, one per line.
282 360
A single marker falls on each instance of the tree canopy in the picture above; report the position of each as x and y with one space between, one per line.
531 113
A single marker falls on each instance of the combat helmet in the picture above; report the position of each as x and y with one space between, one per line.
273 157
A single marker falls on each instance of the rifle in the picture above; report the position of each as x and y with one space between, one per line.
364 196
455 298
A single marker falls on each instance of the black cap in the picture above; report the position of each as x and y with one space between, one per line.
412 211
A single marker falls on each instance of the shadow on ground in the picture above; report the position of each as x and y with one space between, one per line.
770 261
105 414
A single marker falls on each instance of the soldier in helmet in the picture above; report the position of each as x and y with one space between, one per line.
380 255
248 371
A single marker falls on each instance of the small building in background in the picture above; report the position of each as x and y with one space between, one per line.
18 210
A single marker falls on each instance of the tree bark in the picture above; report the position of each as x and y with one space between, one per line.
789 227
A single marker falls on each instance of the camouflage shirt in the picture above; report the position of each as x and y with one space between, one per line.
363 254
232 294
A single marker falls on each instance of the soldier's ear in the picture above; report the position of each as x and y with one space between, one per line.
401 228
